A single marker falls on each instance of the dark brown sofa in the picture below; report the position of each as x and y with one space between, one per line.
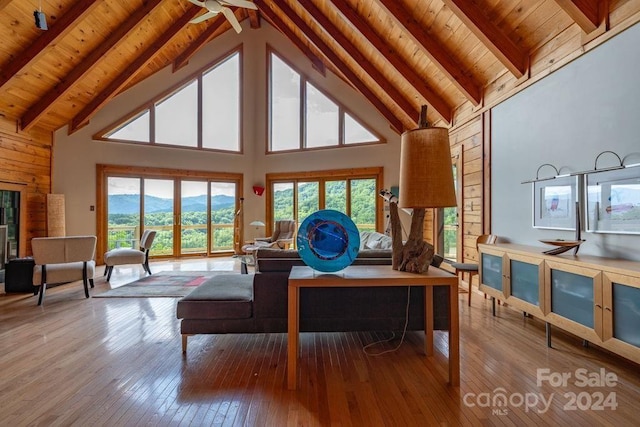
255 303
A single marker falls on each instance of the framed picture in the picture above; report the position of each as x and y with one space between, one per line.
613 201
554 203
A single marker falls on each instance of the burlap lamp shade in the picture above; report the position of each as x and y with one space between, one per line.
426 174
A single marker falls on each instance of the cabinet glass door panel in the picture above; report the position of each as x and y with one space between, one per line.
626 314
492 271
525 281
572 296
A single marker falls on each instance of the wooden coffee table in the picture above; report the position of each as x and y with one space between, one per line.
371 276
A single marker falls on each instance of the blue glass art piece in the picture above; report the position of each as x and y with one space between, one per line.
328 240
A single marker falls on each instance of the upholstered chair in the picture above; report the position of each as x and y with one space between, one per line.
282 237
125 256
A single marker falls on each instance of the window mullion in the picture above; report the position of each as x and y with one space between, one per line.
303 112
199 107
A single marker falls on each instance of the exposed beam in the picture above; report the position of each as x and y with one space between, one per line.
82 118
57 29
584 12
254 18
196 45
343 41
508 53
442 59
390 54
86 65
279 24
363 88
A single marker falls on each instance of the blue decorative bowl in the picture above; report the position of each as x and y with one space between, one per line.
328 240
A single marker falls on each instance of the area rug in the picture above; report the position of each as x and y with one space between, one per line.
162 284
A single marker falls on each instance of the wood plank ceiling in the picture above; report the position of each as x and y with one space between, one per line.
400 54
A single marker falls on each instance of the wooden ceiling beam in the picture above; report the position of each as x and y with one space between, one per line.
442 59
58 29
327 51
254 18
197 44
82 118
341 40
389 52
279 24
516 60
4 3
585 13
86 65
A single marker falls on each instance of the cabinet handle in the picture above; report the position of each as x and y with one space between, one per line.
598 306
608 308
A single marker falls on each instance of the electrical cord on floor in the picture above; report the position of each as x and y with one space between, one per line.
404 331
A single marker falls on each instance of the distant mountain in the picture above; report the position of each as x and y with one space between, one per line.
129 203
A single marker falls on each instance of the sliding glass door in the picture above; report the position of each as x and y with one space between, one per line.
191 216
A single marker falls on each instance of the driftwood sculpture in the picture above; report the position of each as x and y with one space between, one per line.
415 255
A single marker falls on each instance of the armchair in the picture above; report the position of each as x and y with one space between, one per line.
281 238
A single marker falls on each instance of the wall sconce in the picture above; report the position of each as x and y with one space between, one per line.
258 190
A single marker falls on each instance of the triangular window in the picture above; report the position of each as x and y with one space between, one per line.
204 112
295 104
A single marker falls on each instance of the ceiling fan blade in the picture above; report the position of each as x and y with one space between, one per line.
202 18
240 3
228 13
197 3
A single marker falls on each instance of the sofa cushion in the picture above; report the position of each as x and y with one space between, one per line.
63 273
227 296
374 240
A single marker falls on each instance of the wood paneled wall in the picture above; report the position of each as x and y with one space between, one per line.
25 160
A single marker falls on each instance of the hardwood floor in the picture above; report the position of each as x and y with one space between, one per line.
118 361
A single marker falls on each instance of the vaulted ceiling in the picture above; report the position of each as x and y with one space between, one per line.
400 54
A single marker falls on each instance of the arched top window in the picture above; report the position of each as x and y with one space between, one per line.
202 112
301 116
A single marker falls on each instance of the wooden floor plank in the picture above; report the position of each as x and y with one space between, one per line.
118 361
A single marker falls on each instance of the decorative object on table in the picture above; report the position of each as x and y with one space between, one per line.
426 181
563 246
328 240
238 227
613 198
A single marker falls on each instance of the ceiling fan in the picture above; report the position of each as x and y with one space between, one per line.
214 7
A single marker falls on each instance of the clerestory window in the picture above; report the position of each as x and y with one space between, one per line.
203 112
301 116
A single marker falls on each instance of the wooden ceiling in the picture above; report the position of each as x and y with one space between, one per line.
400 54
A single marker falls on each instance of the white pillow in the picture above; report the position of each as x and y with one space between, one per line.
373 245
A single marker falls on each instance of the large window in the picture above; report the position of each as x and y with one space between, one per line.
203 112
302 117
354 192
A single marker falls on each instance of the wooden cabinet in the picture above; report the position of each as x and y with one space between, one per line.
597 299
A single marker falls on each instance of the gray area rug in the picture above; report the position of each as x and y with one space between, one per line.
174 284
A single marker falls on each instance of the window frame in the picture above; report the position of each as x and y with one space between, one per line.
376 173
342 110
150 106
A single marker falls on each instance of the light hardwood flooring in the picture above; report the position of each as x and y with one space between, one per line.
118 361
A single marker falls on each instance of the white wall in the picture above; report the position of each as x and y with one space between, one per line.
75 156
567 119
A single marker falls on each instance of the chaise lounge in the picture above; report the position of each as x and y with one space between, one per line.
257 303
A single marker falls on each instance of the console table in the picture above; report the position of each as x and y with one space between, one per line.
369 276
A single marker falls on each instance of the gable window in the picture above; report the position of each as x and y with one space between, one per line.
301 116
202 112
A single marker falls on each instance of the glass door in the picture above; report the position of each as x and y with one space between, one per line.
159 214
123 212
193 217
223 210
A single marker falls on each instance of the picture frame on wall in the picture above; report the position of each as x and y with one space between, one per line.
554 203
613 201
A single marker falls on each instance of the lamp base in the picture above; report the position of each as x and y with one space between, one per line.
415 255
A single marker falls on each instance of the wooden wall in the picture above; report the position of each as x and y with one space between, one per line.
25 160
